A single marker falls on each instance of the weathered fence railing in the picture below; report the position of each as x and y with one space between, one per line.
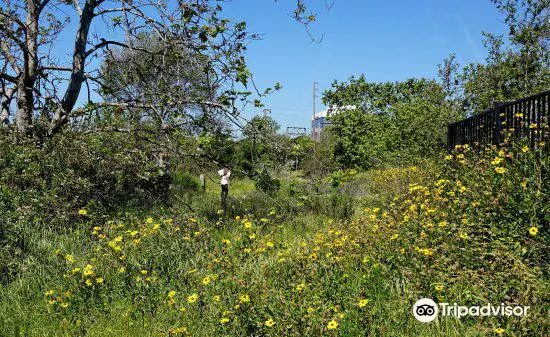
525 118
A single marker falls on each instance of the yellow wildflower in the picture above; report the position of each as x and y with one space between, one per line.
332 325
500 170
192 298
88 270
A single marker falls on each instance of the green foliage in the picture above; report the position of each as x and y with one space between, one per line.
42 189
421 128
73 171
261 128
318 161
476 232
186 181
262 147
267 183
395 122
219 147
465 236
515 67
362 140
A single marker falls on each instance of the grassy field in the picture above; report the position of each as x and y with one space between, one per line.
294 263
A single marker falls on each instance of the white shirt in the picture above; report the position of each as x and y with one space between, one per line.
225 178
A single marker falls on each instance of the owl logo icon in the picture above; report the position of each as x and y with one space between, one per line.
425 310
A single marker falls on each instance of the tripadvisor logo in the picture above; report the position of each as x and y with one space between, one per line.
426 310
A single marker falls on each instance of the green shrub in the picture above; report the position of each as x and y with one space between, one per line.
72 171
186 181
43 188
267 183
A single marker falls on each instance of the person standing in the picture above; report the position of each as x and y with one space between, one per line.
224 173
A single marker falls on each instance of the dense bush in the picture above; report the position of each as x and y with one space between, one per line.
73 170
267 183
185 181
393 123
43 188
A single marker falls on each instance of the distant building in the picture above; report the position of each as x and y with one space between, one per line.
321 119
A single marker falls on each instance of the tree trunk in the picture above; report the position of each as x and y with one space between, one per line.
5 101
25 84
61 115
25 102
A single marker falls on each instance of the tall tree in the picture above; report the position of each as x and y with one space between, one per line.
515 69
400 121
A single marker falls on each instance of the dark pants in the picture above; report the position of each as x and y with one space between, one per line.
225 191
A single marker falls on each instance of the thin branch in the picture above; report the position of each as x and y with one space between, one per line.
13 18
104 43
8 78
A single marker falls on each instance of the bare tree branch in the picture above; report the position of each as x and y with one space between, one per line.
103 44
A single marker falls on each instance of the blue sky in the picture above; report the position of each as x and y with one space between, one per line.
385 40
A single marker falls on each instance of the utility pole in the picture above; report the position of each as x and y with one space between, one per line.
313 131
314 97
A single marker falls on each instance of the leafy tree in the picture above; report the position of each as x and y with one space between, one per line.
166 81
376 97
399 121
362 139
513 70
260 144
300 148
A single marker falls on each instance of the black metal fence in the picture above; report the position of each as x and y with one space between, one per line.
526 118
